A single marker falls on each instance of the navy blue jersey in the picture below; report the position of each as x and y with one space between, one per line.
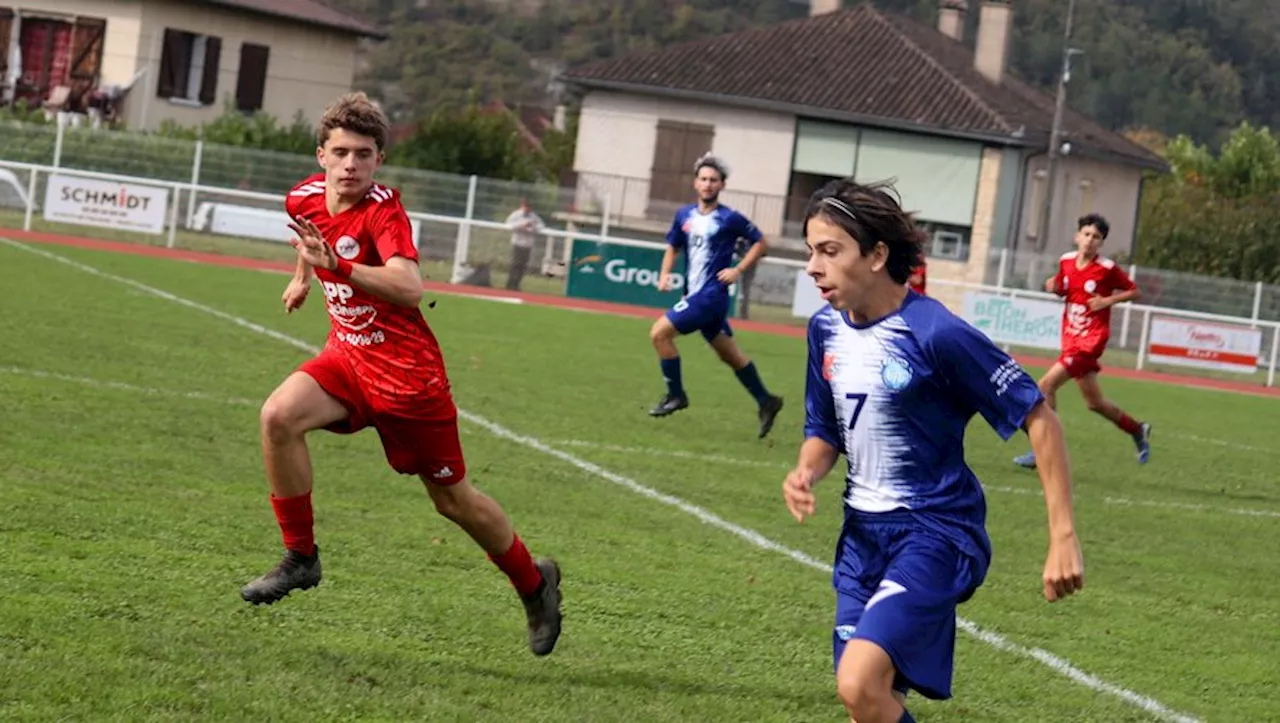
709 241
895 395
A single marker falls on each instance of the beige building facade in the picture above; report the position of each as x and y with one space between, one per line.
143 62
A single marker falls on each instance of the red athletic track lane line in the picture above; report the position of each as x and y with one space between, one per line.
563 302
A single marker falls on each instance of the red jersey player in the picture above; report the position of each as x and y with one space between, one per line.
381 367
916 281
1091 285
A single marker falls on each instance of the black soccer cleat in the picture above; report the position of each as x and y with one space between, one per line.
542 608
669 404
768 413
295 571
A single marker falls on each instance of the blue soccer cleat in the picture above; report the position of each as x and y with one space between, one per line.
1027 460
1143 441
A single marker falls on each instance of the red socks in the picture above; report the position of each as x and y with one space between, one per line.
296 522
518 566
296 526
1129 424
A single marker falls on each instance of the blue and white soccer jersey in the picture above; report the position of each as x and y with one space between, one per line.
708 242
894 396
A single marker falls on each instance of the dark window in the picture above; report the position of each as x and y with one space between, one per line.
252 82
189 66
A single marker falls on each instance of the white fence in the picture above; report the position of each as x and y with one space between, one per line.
1183 341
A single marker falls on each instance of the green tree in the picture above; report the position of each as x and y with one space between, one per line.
472 140
1216 213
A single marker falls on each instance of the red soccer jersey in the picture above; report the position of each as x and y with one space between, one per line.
918 287
1083 330
390 348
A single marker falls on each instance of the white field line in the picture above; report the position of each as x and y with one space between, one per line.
1222 443
1055 663
1035 491
124 387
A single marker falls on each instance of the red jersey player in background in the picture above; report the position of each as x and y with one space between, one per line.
1091 285
916 281
381 367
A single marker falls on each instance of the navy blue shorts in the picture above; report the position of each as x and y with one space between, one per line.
706 313
898 585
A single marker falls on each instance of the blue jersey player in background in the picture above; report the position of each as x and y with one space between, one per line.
708 233
893 380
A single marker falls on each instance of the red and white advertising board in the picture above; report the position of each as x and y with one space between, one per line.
1203 344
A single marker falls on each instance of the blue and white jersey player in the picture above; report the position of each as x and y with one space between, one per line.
893 380
708 234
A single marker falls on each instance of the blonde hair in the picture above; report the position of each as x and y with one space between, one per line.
354 112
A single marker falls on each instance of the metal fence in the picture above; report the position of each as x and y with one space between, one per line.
463 236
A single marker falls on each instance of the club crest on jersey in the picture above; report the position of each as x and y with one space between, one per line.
895 373
347 247
1090 286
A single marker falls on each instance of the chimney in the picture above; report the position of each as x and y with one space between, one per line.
951 18
822 7
992 52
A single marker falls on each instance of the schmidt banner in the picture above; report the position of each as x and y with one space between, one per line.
626 275
1017 321
122 206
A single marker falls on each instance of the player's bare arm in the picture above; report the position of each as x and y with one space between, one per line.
817 457
668 263
733 273
1064 567
295 292
1098 303
397 282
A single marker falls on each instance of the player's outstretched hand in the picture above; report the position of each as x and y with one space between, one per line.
797 490
1064 568
1050 286
311 245
295 294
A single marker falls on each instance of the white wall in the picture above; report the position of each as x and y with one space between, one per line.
309 66
617 134
1084 186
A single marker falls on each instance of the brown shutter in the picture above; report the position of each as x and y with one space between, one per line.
209 84
678 146
87 52
251 85
6 29
174 60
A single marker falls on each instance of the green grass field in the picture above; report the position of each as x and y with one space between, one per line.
134 506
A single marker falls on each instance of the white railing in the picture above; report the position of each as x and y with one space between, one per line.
949 291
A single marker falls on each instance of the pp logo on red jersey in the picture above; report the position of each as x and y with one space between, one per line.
337 293
347 247
1090 286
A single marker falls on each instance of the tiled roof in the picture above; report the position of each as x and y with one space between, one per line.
306 11
863 66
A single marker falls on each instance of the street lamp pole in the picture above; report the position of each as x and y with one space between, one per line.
1055 135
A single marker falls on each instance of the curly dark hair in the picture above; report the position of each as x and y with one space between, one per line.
871 213
1096 220
354 112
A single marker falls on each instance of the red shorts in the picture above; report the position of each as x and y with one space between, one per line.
1079 363
426 447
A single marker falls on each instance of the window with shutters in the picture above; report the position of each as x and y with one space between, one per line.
189 67
251 84
678 146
